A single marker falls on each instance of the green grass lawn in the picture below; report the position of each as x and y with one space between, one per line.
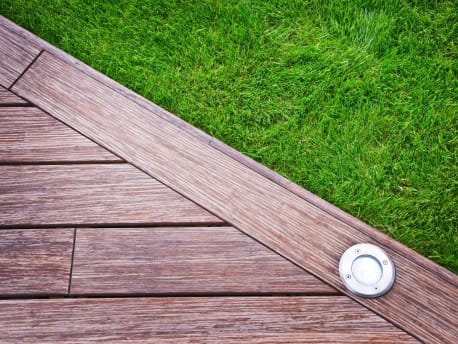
356 101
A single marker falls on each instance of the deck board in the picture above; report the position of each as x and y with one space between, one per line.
195 260
27 134
8 98
44 195
296 229
196 320
16 53
35 261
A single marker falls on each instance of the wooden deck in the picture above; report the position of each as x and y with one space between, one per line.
121 223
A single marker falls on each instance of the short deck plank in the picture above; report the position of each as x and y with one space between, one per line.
198 320
35 261
90 194
16 54
27 134
8 98
298 230
205 260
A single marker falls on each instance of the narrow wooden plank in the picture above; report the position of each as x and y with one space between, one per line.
27 134
198 320
8 98
35 261
420 302
90 194
16 53
329 208
218 260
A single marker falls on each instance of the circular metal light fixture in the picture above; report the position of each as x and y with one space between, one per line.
366 270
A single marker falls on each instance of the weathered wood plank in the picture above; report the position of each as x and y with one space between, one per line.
16 53
8 98
198 320
218 260
27 134
35 261
422 303
90 194
234 154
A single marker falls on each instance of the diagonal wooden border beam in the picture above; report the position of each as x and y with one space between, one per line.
424 299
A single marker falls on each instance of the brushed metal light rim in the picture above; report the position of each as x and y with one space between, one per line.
379 288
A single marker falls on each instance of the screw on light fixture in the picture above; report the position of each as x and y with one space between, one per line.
366 270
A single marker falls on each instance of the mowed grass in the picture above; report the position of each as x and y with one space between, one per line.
356 101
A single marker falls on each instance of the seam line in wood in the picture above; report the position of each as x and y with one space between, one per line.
118 225
56 163
26 69
15 105
78 296
71 261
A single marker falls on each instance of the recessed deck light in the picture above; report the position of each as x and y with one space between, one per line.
366 270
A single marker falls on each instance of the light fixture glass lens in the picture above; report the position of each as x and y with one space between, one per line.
367 270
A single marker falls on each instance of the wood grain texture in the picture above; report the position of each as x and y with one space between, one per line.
8 98
27 134
206 260
90 194
35 261
421 302
16 54
327 207
195 320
